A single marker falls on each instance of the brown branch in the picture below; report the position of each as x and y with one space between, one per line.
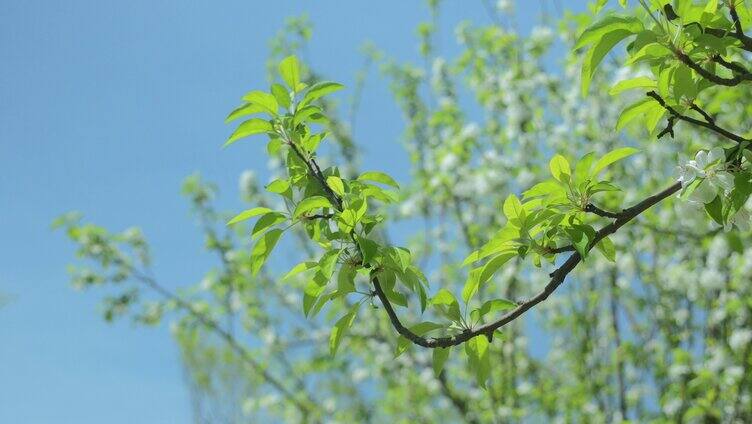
557 278
729 82
735 18
600 212
709 125
709 119
731 66
721 33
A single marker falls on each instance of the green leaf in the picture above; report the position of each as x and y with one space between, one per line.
496 305
289 69
247 214
684 84
611 157
378 177
595 55
650 52
560 169
606 247
266 221
513 209
244 110
715 210
638 82
311 203
634 110
346 279
440 356
320 89
249 127
471 285
278 186
446 303
335 183
582 169
301 267
580 235
401 257
711 7
327 263
368 247
493 265
308 113
545 188
264 100
608 24
280 93
477 353
263 248
340 328
491 306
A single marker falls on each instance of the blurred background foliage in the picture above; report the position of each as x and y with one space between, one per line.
663 335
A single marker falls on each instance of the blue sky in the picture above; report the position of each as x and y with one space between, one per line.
104 108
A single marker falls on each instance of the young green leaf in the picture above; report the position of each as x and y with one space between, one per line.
478 356
247 214
560 169
310 203
320 89
447 304
611 157
267 221
606 247
264 100
513 209
440 356
493 265
638 82
278 186
378 177
301 267
471 285
263 248
244 110
596 54
335 183
608 24
634 110
282 95
289 69
249 127
346 279
340 328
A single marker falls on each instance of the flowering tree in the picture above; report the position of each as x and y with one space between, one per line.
654 325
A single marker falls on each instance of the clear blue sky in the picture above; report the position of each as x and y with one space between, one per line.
105 107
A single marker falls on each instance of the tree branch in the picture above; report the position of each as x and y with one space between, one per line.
557 278
600 212
709 125
729 82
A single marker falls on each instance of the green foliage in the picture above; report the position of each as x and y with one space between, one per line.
655 333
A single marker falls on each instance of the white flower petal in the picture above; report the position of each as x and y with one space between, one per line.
723 179
686 175
704 193
715 154
701 159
